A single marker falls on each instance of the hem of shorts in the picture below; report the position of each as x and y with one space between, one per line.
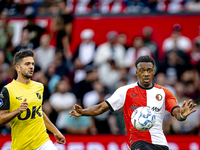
150 143
42 143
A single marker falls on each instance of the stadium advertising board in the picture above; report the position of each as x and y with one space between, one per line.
111 142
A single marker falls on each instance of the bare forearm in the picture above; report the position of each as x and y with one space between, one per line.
6 117
94 110
49 125
91 111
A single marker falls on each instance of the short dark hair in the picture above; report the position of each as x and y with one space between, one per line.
20 55
145 58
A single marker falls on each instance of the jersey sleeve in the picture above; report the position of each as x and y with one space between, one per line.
4 99
116 101
170 101
42 94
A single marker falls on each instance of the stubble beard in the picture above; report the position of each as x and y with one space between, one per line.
27 76
146 85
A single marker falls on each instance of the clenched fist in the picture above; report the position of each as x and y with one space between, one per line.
23 106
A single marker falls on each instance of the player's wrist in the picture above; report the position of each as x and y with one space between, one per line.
83 113
182 117
19 111
56 133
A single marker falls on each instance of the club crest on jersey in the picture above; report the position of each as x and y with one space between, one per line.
159 97
1 102
38 95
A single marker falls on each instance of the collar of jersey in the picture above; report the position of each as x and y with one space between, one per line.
145 88
22 84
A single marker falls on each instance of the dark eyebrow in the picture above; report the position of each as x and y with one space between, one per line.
144 67
29 62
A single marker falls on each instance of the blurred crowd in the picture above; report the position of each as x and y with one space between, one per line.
91 74
44 7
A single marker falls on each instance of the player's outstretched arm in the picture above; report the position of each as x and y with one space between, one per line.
50 126
185 110
91 111
6 116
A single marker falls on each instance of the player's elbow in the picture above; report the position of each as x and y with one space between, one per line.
2 123
2 120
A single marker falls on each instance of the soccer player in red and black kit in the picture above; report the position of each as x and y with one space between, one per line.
142 93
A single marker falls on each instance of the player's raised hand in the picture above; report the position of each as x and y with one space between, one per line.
23 106
186 108
60 139
76 111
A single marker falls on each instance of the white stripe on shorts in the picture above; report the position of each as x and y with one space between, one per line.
47 146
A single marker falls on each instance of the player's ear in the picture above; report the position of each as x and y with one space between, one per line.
154 71
136 72
17 68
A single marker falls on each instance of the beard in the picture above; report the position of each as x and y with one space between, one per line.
27 76
146 85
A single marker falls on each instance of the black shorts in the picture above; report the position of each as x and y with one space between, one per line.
142 145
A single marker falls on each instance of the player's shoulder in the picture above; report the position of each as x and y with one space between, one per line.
129 86
158 86
10 85
4 90
166 90
38 84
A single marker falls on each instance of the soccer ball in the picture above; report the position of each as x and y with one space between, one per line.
143 118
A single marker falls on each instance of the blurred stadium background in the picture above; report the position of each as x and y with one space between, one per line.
86 49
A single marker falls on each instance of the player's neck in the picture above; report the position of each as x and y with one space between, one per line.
151 85
23 80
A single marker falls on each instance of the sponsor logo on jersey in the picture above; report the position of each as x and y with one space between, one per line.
133 107
38 95
19 98
156 109
1 102
134 95
159 97
31 113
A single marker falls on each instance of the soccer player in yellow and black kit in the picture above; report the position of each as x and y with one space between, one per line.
21 105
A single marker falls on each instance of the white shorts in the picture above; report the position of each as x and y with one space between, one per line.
47 146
